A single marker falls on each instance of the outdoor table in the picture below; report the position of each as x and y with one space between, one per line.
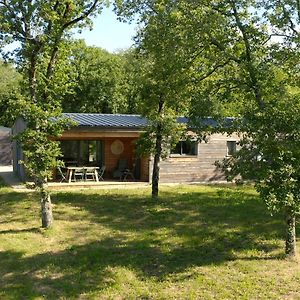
71 172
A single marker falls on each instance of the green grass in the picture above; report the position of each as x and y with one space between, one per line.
196 242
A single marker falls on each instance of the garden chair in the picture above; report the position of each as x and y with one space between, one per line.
79 172
89 172
101 172
126 174
122 166
62 175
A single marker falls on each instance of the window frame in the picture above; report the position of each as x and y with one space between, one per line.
182 154
231 151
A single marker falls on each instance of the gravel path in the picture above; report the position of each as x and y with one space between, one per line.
6 172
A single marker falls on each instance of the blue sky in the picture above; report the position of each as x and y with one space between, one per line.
109 33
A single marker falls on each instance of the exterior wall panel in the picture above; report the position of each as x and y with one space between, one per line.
111 159
18 155
200 168
5 147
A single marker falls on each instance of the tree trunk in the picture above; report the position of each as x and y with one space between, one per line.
156 167
46 208
290 241
155 176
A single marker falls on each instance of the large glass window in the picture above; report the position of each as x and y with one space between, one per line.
185 148
82 153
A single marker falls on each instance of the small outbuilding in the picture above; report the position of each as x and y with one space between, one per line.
5 146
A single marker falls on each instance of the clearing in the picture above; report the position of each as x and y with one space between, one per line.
196 242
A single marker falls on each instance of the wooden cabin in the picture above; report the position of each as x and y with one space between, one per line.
107 139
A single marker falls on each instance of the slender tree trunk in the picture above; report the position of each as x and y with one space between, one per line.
156 167
298 9
32 77
46 207
158 151
290 241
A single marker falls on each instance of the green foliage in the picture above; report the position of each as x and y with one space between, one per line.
163 71
40 27
41 152
180 46
162 76
270 154
9 93
171 131
97 80
269 89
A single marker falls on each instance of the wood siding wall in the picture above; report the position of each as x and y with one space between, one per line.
145 164
18 155
5 147
111 160
200 168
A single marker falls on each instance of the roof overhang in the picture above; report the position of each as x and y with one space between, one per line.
84 132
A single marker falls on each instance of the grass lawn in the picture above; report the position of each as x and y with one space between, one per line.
196 242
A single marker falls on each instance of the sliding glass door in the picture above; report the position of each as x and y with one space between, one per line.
83 152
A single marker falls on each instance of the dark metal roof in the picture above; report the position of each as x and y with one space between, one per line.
107 120
208 122
130 121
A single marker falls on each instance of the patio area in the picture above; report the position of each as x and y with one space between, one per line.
106 184
7 174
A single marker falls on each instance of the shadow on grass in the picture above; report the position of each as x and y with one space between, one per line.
202 228
190 214
89 268
14 231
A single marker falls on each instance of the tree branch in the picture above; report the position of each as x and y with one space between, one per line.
222 48
18 22
248 56
274 35
82 17
213 70
298 9
286 15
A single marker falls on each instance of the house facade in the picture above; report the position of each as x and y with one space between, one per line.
108 139
198 165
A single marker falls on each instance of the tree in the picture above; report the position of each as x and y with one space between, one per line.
97 80
162 75
175 44
247 62
9 90
39 27
263 76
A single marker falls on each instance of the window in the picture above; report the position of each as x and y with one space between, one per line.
185 148
83 153
231 148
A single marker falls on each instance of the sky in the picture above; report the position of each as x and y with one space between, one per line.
109 33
